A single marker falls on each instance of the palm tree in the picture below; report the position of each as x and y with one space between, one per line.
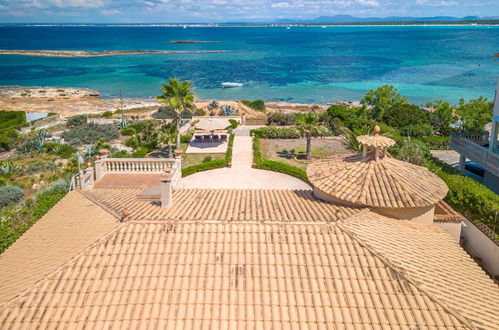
178 95
167 136
309 124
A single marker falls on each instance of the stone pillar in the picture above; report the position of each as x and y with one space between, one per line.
90 172
462 162
166 197
100 169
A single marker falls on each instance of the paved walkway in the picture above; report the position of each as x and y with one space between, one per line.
450 157
242 175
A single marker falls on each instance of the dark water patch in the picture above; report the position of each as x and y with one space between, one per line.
28 72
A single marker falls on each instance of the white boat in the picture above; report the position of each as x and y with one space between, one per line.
231 84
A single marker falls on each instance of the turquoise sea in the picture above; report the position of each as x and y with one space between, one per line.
301 64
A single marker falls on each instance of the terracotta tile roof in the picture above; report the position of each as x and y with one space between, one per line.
224 205
376 141
71 225
387 183
226 275
127 181
445 213
433 260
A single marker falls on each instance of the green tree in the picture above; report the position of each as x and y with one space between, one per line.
474 115
382 99
442 118
309 124
167 136
179 95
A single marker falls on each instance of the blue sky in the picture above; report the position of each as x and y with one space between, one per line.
130 11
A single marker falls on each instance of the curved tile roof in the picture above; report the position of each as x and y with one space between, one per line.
386 183
375 141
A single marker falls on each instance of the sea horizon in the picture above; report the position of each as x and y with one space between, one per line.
305 64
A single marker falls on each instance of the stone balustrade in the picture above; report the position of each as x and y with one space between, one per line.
137 165
470 145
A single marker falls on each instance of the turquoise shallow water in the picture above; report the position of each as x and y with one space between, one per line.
302 64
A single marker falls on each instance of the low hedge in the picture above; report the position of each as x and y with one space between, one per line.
211 164
228 154
15 220
273 132
466 195
435 142
271 165
204 166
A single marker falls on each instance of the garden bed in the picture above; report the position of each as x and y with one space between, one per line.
292 151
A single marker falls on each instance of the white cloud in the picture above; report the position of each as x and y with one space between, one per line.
370 3
109 12
78 3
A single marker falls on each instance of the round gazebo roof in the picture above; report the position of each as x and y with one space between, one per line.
376 179
386 183
376 140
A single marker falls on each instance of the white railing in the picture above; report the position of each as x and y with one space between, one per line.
470 145
137 165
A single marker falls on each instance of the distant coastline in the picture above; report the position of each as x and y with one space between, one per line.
87 53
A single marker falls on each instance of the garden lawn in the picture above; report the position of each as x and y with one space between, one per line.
194 159
292 151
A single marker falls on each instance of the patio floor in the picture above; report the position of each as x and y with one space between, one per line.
207 147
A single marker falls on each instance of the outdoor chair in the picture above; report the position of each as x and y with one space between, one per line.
207 138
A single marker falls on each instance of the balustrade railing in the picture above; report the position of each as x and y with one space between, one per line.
470 145
130 165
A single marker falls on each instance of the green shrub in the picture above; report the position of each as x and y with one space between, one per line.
435 142
186 138
63 150
5 143
273 132
12 119
281 119
233 123
206 159
199 112
76 120
120 154
258 105
132 142
127 131
418 130
170 113
270 165
107 114
90 134
466 195
141 152
10 195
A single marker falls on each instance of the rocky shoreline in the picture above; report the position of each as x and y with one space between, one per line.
71 101
87 53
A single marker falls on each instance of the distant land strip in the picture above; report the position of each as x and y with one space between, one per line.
193 41
87 53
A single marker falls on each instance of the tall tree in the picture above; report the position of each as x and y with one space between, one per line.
443 117
178 95
382 99
167 135
475 114
309 124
